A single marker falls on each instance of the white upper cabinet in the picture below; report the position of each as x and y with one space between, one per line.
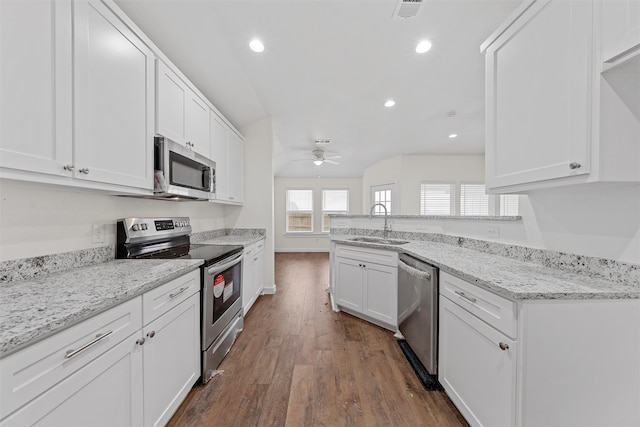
36 86
114 99
620 29
227 150
550 119
181 115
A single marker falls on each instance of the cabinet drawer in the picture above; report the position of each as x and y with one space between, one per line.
497 311
28 373
163 298
377 256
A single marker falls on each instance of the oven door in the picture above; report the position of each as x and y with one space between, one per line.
221 297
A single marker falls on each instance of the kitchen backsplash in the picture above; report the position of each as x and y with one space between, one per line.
614 271
26 268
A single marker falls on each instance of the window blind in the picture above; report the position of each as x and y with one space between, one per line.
473 200
436 199
509 205
333 202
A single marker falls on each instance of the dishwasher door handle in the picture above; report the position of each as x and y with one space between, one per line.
424 275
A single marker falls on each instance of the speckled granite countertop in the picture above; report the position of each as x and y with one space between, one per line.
233 239
513 279
33 309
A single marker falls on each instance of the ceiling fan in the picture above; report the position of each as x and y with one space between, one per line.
320 158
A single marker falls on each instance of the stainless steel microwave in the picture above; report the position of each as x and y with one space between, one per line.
181 173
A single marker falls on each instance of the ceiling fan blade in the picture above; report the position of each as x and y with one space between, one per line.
335 156
332 162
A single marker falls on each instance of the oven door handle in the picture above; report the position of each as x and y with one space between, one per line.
220 268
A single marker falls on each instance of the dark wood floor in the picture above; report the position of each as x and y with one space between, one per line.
297 363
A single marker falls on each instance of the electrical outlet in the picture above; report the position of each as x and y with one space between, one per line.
493 231
97 233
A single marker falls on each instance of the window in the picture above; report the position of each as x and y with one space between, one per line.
333 202
299 211
381 194
509 205
437 198
473 200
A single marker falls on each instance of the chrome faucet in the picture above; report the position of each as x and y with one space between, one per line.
386 227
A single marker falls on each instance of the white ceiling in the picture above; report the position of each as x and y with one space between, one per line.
329 66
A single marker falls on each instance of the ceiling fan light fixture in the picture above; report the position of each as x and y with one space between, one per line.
390 103
256 46
317 162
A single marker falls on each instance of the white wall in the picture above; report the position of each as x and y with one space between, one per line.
318 242
408 171
38 219
257 211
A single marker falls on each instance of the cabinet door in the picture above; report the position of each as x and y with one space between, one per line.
114 99
248 279
477 374
620 27
538 102
36 86
381 293
349 283
107 392
171 104
258 271
220 154
236 168
197 125
171 360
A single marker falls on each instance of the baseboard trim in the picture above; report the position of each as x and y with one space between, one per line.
269 290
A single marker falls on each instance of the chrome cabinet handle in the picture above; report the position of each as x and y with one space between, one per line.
151 334
178 293
503 346
231 198
68 167
140 341
71 353
464 296
574 165
84 171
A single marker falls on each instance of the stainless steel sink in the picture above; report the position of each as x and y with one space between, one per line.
378 240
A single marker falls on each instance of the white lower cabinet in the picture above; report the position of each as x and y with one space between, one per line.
538 363
109 370
366 283
478 375
171 360
252 275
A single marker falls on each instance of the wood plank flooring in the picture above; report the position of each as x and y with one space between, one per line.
297 363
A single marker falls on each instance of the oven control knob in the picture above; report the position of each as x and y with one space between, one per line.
143 226
178 223
135 227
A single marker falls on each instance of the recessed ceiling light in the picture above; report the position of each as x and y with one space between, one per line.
256 45
453 135
390 103
423 46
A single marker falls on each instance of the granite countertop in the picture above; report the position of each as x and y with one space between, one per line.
513 279
33 309
233 239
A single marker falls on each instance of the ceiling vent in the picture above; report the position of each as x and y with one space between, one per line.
407 8
322 141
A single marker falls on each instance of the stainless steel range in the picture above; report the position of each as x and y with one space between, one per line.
221 277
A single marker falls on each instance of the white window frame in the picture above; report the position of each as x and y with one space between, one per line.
452 197
391 205
331 212
286 210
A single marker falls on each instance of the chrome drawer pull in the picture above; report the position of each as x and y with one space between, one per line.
71 353
462 295
503 346
178 293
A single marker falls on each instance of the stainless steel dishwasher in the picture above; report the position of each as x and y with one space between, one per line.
418 310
